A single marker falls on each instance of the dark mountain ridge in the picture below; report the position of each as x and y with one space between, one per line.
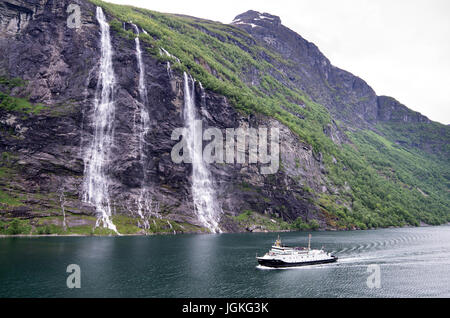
344 94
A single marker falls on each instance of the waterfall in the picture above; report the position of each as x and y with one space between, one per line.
144 204
202 187
96 181
171 227
169 70
163 52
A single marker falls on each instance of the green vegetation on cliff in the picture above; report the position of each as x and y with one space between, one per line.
12 103
85 225
17 104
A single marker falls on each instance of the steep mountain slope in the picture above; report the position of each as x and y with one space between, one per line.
349 159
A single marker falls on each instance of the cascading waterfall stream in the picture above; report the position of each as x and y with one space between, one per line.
96 181
202 187
144 204
163 52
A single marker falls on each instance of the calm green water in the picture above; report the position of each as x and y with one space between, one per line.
414 262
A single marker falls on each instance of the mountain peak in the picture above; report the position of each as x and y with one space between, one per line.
255 18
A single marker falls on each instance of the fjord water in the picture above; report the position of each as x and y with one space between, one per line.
414 262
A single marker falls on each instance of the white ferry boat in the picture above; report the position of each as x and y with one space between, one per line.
284 256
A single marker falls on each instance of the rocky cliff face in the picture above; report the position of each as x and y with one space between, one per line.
60 68
391 110
54 63
46 124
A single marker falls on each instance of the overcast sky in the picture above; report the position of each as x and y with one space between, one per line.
401 48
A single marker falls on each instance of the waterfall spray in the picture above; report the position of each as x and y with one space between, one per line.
96 181
202 187
144 204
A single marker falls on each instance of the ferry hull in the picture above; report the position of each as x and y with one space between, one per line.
280 264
